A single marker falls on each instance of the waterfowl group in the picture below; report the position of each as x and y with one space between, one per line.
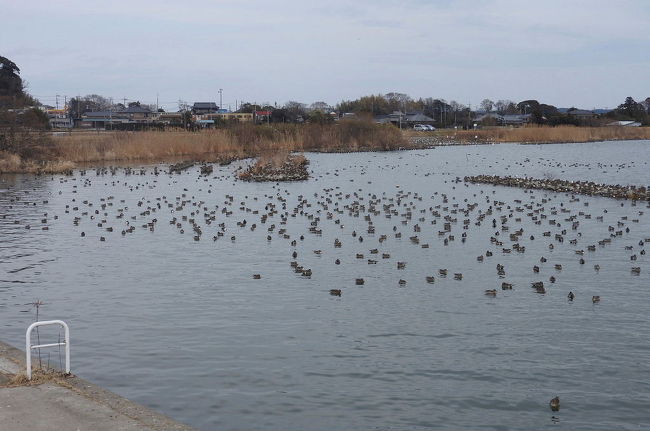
429 223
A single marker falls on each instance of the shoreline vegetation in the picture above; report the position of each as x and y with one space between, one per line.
533 134
277 167
47 153
64 152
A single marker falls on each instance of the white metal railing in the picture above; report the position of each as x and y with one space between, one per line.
29 347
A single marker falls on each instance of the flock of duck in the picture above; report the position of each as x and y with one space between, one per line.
365 227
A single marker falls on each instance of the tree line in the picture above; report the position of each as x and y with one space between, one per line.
13 94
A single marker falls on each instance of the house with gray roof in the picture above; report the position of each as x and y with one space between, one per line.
200 108
504 120
582 114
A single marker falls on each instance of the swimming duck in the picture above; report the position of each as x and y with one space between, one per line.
555 404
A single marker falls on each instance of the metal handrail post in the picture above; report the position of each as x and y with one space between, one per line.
29 347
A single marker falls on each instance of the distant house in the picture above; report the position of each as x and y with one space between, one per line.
138 113
200 108
100 119
399 118
489 118
504 120
582 114
208 120
263 116
624 124
516 119
130 116
171 118
59 118
419 118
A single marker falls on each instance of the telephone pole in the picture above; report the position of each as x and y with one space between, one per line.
220 98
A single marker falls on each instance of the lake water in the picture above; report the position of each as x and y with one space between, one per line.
183 327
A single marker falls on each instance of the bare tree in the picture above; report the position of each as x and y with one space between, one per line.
455 106
295 110
320 106
646 104
398 101
487 105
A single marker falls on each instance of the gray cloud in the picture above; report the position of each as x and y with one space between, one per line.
585 53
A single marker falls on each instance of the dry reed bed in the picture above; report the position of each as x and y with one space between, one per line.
277 167
13 163
236 142
559 134
247 140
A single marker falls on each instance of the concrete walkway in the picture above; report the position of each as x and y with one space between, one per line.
71 404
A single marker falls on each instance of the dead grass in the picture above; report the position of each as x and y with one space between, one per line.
281 166
247 140
238 141
63 152
546 134
39 376
13 163
151 146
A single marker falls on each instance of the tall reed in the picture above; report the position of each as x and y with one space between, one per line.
241 140
546 134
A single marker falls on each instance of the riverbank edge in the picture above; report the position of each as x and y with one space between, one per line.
99 395
414 143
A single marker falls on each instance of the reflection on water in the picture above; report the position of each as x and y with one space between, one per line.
178 323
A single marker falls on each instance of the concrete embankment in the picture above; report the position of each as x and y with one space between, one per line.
68 403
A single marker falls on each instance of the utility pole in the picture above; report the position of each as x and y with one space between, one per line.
157 102
57 101
220 98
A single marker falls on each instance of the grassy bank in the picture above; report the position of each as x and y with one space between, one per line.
539 134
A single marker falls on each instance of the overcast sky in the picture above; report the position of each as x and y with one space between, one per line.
584 53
